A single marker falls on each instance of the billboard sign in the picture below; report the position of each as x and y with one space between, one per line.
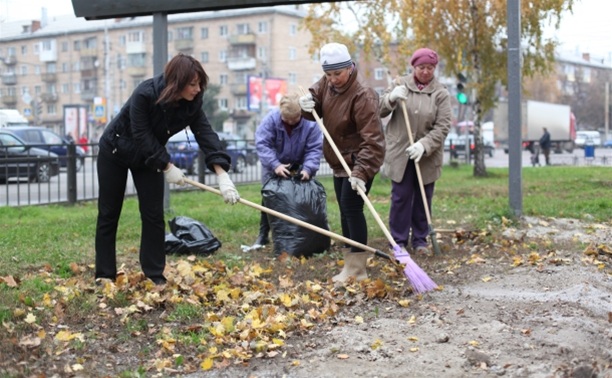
270 88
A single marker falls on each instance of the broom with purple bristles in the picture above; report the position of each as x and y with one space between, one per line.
419 280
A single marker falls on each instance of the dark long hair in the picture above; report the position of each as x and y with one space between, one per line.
179 72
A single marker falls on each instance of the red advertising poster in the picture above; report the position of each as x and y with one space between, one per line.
271 88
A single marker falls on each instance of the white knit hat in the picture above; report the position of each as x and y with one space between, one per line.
335 56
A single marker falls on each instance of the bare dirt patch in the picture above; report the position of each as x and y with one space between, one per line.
529 304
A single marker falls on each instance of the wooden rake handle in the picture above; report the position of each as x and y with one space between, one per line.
295 221
416 165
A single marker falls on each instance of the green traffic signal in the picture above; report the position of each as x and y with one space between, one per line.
462 98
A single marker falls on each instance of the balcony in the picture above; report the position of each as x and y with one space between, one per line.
9 60
183 44
48 97
135 47
9 78
241 64
88 94
9 100
48 77
136 71
242 39
89 52
239 89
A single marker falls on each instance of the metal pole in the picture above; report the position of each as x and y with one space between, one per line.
160 57
607 111
514 107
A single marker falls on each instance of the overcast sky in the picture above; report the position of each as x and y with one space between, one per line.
588 29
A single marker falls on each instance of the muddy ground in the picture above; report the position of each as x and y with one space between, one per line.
498 313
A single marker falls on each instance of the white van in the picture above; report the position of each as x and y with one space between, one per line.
587 136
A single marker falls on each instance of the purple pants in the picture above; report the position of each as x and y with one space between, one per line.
407 210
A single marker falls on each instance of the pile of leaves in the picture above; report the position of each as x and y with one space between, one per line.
211 314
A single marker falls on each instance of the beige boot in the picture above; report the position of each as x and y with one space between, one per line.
354 265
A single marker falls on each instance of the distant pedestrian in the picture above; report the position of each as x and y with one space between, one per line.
545 145
84 142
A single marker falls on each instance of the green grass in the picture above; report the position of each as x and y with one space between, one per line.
54 237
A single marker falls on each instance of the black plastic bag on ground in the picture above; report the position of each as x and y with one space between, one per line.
190 237
303 200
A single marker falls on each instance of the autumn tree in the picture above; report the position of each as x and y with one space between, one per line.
470 36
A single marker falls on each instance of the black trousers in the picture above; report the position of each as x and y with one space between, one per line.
112 179
352 219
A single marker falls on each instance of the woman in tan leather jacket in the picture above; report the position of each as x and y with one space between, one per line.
350 113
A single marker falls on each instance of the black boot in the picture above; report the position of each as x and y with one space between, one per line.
264 230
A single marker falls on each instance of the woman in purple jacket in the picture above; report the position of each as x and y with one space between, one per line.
285 139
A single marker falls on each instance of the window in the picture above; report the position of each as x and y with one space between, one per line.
262 27
76 87
77 46
122 40
135 36
51 108
24 90
64 46
51 67
65 88
47 45
136 60
90 43
51 88
242 28
586 75
241 102
37 89
24 50
292 53
262 53
379 73
10 51
24 70
570 72
223 31
223 79
292 29
292 78
222 56
184 33
65 67
204 33
36 48
204 57
37 70
121 62
223 103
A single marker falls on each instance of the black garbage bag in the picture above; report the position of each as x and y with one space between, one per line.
190 237
303 200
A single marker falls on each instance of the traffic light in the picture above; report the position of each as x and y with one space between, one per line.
462 97
38 108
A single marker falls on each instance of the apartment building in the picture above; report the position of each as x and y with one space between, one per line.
48 64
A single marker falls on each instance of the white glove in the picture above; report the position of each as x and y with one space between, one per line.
415 152
357 183
307 103
399 92
174 175
227 188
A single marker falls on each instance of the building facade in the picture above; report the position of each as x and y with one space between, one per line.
49 64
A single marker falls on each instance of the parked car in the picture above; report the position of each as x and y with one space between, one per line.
583 137
46 139
457 147
608 143
250 150
19 159
184 150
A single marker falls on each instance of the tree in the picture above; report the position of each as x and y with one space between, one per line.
210 105
469 36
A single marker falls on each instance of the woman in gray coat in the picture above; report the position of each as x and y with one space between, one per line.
429 112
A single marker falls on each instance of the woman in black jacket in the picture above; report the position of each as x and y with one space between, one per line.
135 140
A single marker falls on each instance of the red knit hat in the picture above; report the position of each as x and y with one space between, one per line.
424 56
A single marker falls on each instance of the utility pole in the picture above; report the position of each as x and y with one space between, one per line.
515 152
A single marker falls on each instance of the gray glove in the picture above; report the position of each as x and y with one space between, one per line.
357 183
307 103
415 152
174 175
399 92
227 188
